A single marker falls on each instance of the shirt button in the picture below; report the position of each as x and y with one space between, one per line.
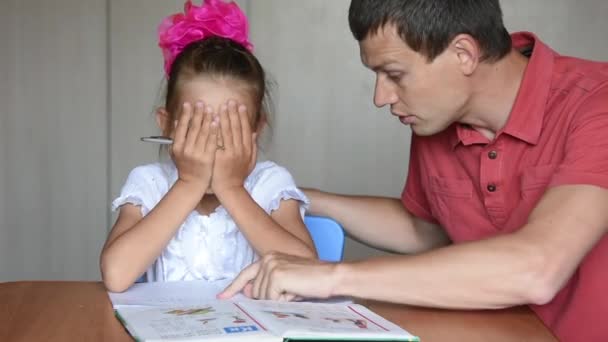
492 154
491 187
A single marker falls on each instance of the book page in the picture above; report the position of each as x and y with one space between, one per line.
217 320
293 320
176 293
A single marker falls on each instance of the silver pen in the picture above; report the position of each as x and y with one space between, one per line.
158 140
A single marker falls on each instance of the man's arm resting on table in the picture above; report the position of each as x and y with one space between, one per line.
527 267
380 222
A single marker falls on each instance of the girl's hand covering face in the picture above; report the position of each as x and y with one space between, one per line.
195 144
237 154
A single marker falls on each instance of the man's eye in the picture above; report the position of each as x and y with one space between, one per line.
395 76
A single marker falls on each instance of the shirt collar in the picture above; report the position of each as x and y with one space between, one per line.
526 118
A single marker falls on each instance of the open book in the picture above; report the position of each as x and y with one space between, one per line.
249 320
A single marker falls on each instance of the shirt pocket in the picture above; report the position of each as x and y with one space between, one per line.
534 182
448 197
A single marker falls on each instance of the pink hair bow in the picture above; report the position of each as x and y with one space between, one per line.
212 18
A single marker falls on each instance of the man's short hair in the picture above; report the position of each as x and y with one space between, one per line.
428 26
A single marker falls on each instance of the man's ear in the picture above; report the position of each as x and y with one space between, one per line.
467 51
162 120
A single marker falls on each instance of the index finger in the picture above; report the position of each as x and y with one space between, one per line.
182 125
245 127
239 283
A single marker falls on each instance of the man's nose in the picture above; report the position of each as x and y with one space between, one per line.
384 94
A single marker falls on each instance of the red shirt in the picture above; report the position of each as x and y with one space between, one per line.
556 134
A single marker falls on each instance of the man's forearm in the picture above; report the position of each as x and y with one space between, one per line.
488 274
378 221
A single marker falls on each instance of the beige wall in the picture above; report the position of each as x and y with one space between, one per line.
79 81
577 28
54 134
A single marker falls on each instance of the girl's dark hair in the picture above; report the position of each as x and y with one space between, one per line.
428 26
222 58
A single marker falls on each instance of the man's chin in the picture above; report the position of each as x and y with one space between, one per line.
422 131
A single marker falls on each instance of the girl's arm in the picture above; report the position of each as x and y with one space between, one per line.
283 230
135 241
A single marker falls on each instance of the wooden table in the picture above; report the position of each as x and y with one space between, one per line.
81 311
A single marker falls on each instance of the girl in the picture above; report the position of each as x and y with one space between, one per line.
211 210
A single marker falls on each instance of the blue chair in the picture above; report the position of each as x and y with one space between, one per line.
328 237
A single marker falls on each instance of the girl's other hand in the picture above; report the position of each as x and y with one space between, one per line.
195 144
237 157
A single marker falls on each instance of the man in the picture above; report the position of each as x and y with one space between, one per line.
506 199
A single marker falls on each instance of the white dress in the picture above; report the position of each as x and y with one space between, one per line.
206 247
